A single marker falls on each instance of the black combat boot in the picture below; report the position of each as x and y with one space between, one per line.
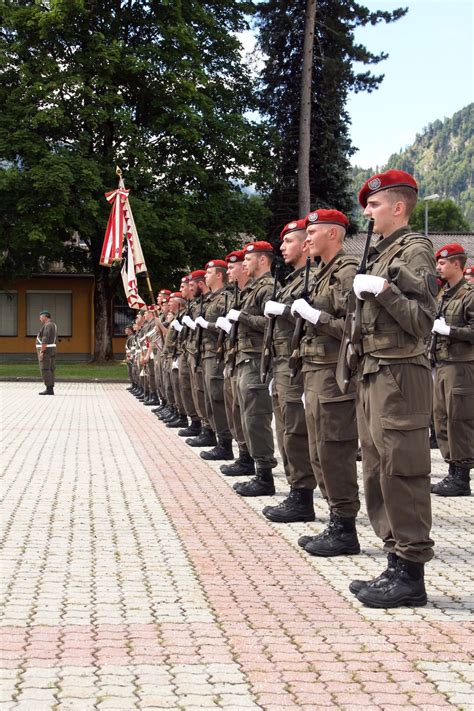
261 485
152 400
433 439
207 438
356 586
339 538
130 388
179 421
139 391
243 466
160 407
222 450
456 483
298 506
49 391
405 588
192 431
169 418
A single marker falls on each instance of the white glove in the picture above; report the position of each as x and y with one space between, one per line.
440 326
233 315
176 325
175 364
224 324
202 322
273 308
189 322
301 307
368 283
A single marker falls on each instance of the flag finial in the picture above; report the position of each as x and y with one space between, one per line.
118 171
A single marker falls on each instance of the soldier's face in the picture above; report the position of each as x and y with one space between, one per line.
384 210
185 289
292 246
233 271
469 277
211 277
448 269
250 264
317 239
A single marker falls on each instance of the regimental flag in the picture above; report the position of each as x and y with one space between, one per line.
130 280
121 230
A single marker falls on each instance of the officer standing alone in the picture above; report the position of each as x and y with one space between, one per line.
46 350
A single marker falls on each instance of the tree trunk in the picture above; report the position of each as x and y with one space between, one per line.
103 350
304 193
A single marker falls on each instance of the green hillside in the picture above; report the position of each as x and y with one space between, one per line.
442 160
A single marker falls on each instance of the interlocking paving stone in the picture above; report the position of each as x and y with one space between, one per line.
134 577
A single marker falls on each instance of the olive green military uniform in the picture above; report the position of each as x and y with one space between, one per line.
454 377
290 422
231 399
213 373
254 398
184 375
166 364
330 415
128 356
394 394
47 335
157 346
197 380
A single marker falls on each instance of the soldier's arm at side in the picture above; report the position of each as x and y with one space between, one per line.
258 322
465 333
413 305
339 294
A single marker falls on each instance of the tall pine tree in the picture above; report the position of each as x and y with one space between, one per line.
281 25
159 89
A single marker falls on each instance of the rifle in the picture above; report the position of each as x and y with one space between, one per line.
350 348
222 334
295 360
233 332
434 336
266 357
198 341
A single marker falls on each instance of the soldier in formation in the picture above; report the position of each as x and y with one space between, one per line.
234 348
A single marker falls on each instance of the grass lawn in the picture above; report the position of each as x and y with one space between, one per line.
85 371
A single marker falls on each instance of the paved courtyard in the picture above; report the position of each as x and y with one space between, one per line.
133 577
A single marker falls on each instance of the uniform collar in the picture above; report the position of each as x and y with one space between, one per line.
384 242
453 289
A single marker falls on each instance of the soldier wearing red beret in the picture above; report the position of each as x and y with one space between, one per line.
238 280
469 274
214 306
184 344
198 291
254 398
452 350
397 297
288 408
330 415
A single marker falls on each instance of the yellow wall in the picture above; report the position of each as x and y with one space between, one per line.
81 289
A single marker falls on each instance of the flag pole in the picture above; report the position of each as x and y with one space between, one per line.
118 173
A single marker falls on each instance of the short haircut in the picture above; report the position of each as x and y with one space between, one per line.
406 195
461 258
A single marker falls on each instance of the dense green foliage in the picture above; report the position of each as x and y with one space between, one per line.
281 30
157 88
441 158
443 216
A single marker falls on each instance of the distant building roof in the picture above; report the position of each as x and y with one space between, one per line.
355 245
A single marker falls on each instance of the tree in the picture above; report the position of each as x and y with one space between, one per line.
158 89
304 190
443 216
281 30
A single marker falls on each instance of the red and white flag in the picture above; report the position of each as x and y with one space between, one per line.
121 227
129 279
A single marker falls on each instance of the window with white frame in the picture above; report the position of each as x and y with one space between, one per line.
8 313
58 303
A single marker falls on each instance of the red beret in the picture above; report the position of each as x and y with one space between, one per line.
197 274
327 217
469 271
164 300
176 295
236 256
385 181
258 247
151 307
185 279
164 291
217 263
450 250
293 227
